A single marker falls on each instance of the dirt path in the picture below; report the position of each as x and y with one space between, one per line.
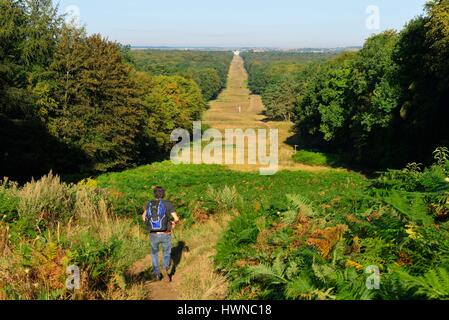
140 272
194 275
237 108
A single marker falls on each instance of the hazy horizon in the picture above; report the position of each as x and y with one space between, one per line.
264 23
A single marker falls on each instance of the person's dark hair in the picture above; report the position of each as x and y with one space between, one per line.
159 193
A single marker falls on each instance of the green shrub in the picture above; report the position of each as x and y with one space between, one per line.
412 179
241 232
223 200
432 178
8 201
434 284
46 201
95 258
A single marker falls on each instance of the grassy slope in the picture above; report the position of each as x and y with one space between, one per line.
187 184
187 187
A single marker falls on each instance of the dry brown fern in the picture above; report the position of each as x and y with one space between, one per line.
325 239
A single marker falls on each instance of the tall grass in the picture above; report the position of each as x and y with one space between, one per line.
58 225
199 280
223 199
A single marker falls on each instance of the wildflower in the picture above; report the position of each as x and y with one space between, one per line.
447 179
410 230
89 183
353 264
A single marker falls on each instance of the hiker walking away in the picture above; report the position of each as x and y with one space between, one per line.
158 215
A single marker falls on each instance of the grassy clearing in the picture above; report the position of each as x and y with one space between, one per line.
187 186
208 197
316 158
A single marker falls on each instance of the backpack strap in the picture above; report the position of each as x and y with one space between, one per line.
148 210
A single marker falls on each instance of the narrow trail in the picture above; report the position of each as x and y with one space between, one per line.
194 274
195 277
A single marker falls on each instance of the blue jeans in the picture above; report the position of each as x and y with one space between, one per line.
156 240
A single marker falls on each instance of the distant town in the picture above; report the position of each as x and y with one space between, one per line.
250 49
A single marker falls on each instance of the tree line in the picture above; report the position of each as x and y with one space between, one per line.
278 77
76 103
385 105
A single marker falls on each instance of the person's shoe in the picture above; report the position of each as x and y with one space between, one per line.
157 277
166 275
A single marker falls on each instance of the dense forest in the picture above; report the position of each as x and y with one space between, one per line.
386 105
75 103
208 69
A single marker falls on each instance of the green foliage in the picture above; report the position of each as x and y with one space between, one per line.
225 200
208 69
434 284
60 225
413 207
273 275
8 201
312 251
385 104
280 78
75 103
95 258
322 109
279 97
99 108
441 155
45 202
171 103
234 245
351 98
302 205
264 67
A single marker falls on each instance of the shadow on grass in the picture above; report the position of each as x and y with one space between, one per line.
156 157
176 256
312 152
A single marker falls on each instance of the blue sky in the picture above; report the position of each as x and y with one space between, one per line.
260 23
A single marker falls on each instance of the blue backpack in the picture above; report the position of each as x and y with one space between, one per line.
157 216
